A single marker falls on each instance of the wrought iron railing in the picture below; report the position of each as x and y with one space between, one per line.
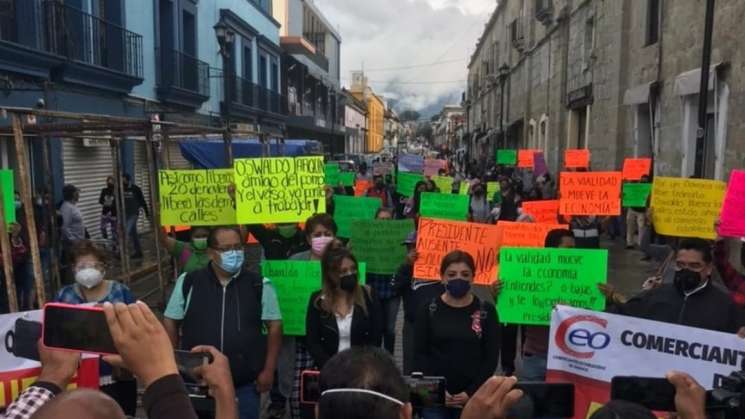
181 70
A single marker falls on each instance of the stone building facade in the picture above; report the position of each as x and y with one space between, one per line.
618 77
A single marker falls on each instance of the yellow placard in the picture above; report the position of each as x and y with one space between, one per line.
686 207
279 189
196 197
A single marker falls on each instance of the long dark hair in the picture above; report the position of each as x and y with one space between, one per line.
418 196
331 263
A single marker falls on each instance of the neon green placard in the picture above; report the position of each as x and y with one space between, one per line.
507 157
444 207
636 194
331 174
378 242
6 180
406 183
350 208
294 282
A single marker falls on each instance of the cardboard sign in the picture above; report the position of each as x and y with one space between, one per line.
507 157
526 234
444 206
294 282
631 346
540 168
577 158
412 163
9 204
378 243
590 193
634 169
331 174
349 208
636 194
432 167
406 183
361 186
347 178
525 159
444 183
545 212
732 221
686 207
536 280
196 197
437 238
279 189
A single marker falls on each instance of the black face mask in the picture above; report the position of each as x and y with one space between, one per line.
687 280
348 282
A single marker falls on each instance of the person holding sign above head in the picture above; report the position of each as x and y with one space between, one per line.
456 336
279 241
232 309
191 256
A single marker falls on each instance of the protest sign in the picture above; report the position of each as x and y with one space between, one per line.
507 157
526 234
9 205
444 206
492 188
279 190
196 197
590 193
686 207
382 168
406 183
540 168
378 243
577 158
444 183
294 282
437 238
18 373
347 178
589 348
349 208
411 163
636 194
634 169
535 280
546 211
331 174
732 221
432 167
361 186
525 159
465 187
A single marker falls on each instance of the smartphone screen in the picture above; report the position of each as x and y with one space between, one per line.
554 400
426 392
77 328
310 387
653 393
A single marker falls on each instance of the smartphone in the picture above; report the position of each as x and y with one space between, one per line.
186 361
555 400
22 340
77 328
310 388
653 393
426 391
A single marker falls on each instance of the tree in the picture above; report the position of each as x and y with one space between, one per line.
409 115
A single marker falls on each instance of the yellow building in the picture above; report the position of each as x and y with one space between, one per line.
375 112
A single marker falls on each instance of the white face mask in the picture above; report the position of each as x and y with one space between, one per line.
89 277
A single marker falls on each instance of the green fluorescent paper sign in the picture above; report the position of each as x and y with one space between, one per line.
535 280
406 183
294 282
636 194
6 181
347 178
349 208
491 189
444 183
507 157
445 207
331 173
378 242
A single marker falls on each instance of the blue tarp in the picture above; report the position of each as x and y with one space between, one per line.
210 154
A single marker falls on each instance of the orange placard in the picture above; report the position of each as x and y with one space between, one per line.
577 158
361 187
437 238
526 234
634 169
591 193
545 212
526 158
176 229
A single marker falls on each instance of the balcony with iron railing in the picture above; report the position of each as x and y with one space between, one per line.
24 47
247 97
182 79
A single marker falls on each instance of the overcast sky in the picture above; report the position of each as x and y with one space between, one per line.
386 34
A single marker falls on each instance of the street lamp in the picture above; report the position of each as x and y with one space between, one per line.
226 39
502 73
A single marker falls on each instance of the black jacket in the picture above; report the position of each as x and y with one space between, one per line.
709 308
414 293
275 246
322 332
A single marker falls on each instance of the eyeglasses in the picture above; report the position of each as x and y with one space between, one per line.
693 266
229 248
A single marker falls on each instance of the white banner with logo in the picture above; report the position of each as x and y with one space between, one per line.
590 348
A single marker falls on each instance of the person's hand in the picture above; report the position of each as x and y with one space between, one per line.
493 399
216 374
690 397
57 367
264 381
459 399
610 293
496 288
651 283
141 341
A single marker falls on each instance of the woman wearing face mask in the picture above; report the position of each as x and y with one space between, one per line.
479 208
320 230
89 267
190 256
456 336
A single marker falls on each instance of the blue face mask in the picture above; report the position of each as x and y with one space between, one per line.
458 287
231 261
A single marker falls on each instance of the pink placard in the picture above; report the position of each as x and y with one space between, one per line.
732 218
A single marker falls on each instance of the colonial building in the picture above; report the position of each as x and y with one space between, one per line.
355 122
446 126
375 112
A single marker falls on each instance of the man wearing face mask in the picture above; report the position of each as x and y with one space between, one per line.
108 210
279 242
691 300
227 307
190 256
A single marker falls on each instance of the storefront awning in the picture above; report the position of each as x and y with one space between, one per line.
689 83
637 95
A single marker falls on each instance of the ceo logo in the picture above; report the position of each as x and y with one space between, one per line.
580 337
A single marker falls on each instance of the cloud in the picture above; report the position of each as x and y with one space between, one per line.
385 34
